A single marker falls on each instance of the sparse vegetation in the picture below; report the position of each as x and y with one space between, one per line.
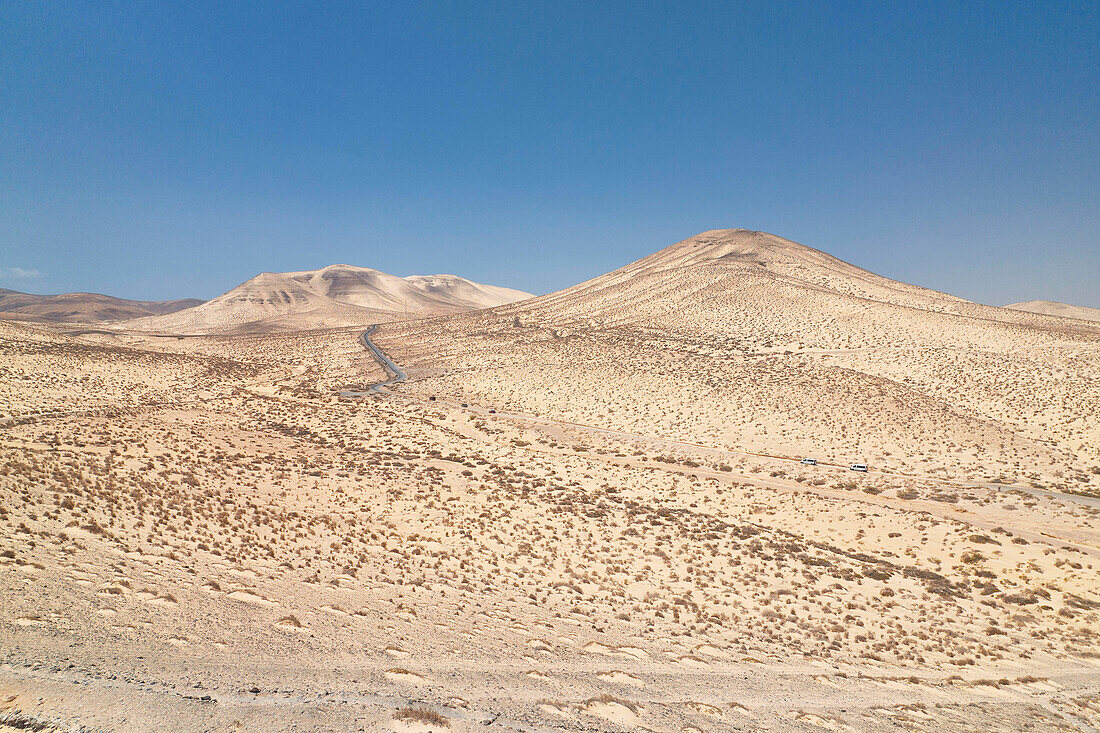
688 542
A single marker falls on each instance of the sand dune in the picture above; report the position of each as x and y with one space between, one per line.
83 307
336 295
1053 308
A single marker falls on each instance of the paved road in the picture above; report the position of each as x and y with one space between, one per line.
393 371
396 375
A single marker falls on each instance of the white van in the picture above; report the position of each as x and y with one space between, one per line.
859 467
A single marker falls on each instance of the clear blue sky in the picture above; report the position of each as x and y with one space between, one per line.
162 150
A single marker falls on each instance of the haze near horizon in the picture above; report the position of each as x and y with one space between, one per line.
160 153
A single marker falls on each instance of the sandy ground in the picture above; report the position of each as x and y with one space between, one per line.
199 534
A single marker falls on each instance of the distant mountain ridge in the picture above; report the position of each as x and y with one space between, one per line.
1054 308
83 307
332 296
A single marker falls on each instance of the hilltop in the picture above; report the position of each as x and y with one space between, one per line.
762 288
336 295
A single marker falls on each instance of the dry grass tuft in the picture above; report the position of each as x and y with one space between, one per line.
421 715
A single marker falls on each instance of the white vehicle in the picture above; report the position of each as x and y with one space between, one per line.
859 467
808 461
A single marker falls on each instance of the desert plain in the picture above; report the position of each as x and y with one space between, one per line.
585 511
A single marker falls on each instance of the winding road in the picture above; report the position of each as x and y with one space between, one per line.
394 372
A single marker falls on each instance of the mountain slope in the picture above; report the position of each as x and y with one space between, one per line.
764 289
1054 308
332 296
83 307
746 340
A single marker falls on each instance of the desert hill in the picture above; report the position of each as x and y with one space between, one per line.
211 532
198 534
83 307
336 295
737 338
765 290
1054 308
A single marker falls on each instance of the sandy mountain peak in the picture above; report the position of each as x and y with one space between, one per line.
335 295
734 246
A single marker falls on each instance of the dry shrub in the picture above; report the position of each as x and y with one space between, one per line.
421 715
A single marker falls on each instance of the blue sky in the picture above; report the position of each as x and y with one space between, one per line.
157 150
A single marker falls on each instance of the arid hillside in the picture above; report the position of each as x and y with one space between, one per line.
744 340
200 534
82 307
337 295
